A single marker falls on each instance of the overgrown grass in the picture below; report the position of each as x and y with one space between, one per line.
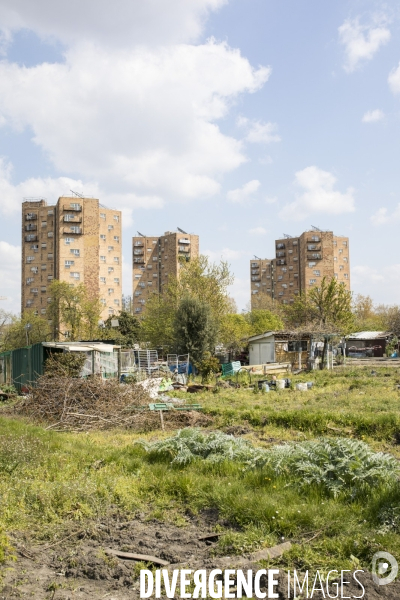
50 480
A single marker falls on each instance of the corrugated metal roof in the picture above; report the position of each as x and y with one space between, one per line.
369 335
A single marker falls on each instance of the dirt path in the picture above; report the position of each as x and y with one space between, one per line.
80 568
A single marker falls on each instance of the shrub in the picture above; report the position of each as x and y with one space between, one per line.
65 364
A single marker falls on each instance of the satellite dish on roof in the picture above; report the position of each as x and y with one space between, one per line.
181 230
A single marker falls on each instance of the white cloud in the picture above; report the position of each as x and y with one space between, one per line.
142 121
269 200
259 132
318 196
258 231
372 116
382 284
244 194
224 254
122 22
394 80
361 42
10 273
381 217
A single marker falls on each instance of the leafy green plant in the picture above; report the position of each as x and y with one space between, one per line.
208 366
65 364
334 465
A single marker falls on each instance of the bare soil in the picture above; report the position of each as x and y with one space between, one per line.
77 565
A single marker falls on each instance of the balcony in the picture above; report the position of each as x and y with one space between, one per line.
72 219
314 247
31 217
138 252
280 254
73 207
256 278
31 238
183 249
138 244
74 230
183 241
313 239
280 246
314 256
31 227
138 260
281 261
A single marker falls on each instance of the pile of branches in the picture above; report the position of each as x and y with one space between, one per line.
76 404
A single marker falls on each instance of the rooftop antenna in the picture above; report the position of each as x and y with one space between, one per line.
181 230
76 194
287 236
257 257
316 228
141 234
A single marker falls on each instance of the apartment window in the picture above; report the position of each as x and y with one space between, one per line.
312 281
295 242
336 275
283 269
29 303
44 223
50 234
110 269
69 217
149 266
102 279
49 277
75 275
116 301
50 213
30 280
138 293
116 239
142 285
345 259
155 258
317 273
284 285
341 267
280 294
116 280
69 263
36 313
34 269
103 259
69 240
295 258
103 216
116 218
43 289
43 267
148 249
138 310
35 247
315 238
75 251
155 275
335 258
110 291
103 237
110 227
110 248
290 268
30 238
50 257
137 276
290 251
340 251
295 275
44 245
30 259
346 275
116 259
334 242
280 277
103 301
75 229
345 244
149 283
49 300
34 290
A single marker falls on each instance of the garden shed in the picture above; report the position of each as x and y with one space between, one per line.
368 343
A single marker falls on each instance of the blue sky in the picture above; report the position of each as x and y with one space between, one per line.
238 120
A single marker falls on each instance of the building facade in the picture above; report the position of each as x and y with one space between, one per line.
299 264
76 241
155 260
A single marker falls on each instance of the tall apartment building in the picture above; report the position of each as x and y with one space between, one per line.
155 259
299 264
77 241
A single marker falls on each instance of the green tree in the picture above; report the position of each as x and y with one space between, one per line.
234 329
25 330
261 320
198 279
127 332
366 317
325 309
74 313
194 328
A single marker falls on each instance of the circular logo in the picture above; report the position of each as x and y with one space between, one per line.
384 568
